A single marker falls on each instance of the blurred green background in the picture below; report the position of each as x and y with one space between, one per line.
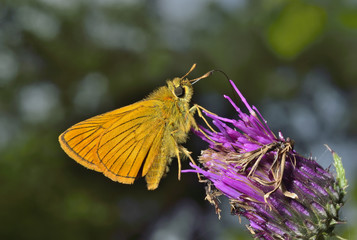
62 61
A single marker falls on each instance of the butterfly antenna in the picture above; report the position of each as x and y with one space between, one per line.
234 92
193 81
192 68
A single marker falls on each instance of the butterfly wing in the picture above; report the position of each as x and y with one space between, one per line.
132 143
81 140
117 143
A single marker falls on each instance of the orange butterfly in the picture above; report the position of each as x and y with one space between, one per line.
139 139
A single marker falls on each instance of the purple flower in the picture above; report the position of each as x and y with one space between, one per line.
282 194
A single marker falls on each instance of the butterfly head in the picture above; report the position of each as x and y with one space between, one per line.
181 88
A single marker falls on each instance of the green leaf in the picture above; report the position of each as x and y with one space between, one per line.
348 18
341 175
296 26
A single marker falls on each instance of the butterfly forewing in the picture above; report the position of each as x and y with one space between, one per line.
119 143
81 140
131 141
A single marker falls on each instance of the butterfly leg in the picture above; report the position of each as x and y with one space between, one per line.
177 151
180 149
197 108
188 154
194 124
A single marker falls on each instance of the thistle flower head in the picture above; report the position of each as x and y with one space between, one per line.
282 194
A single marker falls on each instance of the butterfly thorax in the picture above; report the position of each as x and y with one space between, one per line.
174 107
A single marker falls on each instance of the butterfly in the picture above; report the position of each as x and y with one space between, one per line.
138 140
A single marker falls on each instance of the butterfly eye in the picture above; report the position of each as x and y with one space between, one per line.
179 91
